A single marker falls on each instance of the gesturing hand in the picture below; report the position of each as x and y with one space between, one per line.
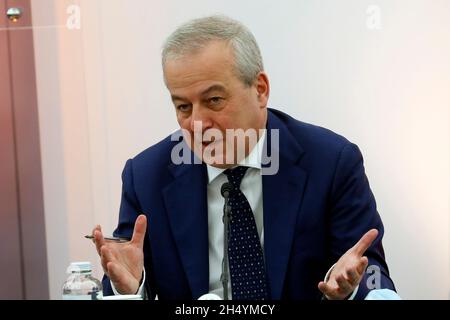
349 270
123 263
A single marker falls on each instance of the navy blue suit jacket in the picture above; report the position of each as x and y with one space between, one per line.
316 207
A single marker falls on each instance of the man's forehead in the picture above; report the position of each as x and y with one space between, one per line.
213 62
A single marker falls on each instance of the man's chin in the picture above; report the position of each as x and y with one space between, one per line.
212 154
217 162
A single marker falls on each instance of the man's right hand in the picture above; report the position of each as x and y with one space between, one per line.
123 263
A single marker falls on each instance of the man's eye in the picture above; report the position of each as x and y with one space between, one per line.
215 100
183 107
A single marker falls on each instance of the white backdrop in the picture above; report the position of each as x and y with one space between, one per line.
377 72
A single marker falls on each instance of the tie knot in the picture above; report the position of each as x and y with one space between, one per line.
235 175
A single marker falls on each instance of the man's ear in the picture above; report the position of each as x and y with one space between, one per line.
262 88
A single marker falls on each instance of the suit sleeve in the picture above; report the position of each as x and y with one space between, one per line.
130 209
353 213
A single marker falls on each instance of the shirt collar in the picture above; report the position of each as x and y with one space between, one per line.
253 160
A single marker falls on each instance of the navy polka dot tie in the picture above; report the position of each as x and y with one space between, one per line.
248 275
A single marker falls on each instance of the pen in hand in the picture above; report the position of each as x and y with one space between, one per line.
115 239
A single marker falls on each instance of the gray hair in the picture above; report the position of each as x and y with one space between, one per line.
197 33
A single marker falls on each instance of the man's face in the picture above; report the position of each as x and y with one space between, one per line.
204 87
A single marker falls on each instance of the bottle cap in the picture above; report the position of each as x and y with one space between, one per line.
210 296
83 266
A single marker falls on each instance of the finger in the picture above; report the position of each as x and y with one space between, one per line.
104 263
97 227
104 258
140 227
98 240
326 289
362 265
353 277
365 242
344 286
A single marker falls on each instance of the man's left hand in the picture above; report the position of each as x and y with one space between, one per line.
349 270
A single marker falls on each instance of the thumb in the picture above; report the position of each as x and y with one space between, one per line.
140 227
365 242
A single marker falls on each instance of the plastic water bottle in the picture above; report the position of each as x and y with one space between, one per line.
81 285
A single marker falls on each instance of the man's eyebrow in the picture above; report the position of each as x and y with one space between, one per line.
174 97
214 87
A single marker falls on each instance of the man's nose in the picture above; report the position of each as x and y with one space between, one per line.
200 119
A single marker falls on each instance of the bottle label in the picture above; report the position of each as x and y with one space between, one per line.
78 297
93 296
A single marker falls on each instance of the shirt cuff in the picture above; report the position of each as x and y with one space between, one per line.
354 291
382 294
141 290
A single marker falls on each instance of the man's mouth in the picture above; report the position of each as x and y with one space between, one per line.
206 143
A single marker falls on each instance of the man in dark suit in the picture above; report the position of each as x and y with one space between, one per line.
304 223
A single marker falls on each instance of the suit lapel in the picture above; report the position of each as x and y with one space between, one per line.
186 203
282 196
